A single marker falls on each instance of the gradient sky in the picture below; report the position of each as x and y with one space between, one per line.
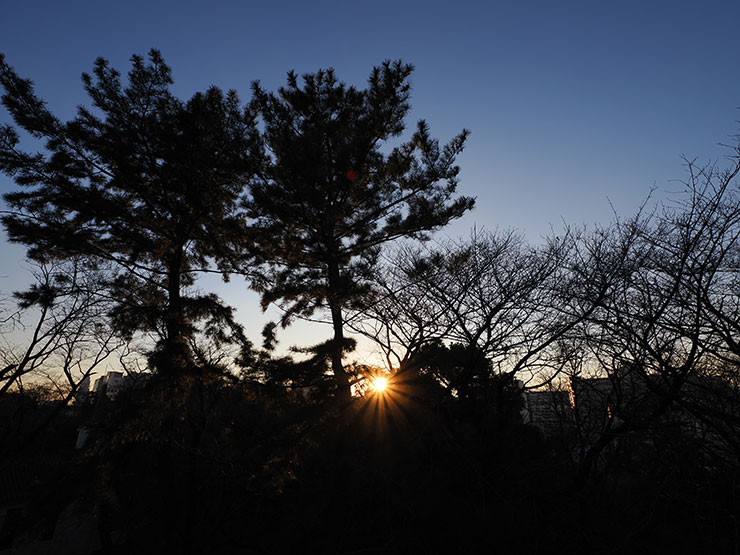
574 107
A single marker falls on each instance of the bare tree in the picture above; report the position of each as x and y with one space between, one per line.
57 335
398 316
492 293
661 341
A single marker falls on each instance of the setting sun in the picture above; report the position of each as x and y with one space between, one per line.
379 384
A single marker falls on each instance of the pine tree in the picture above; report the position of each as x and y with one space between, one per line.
328 197
141 179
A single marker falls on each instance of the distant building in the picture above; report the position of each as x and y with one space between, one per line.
548 410
706 408
106 389
111 384
589 403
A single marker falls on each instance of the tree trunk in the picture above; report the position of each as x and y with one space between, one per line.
340 376
175 353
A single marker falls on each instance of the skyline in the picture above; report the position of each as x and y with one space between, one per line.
570 108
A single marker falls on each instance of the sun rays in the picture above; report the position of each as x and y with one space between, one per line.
380 384
392 402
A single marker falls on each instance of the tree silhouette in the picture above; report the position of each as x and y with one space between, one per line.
141 179
328 197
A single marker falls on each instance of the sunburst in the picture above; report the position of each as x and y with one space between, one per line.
380 384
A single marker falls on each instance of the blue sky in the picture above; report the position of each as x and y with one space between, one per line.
574 107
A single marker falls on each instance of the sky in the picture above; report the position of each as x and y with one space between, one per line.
577 109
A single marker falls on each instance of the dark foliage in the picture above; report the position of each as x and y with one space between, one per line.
641 318
140 179
209 465
328 197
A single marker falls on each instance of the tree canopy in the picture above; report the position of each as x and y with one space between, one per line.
141 179
330 191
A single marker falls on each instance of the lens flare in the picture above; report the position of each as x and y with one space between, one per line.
379 384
